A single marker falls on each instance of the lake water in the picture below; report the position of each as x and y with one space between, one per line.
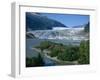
30 43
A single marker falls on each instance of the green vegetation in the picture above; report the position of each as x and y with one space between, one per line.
34 61
84 52
55 50
70 54
44 45
67 52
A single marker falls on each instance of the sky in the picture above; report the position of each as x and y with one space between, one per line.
69 20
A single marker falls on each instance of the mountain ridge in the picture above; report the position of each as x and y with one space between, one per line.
38 22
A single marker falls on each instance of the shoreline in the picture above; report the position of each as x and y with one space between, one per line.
55 58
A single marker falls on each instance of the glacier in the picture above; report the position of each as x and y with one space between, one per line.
61 33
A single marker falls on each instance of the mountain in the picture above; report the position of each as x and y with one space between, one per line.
84 26
30 36
86 29
35 21
79 26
